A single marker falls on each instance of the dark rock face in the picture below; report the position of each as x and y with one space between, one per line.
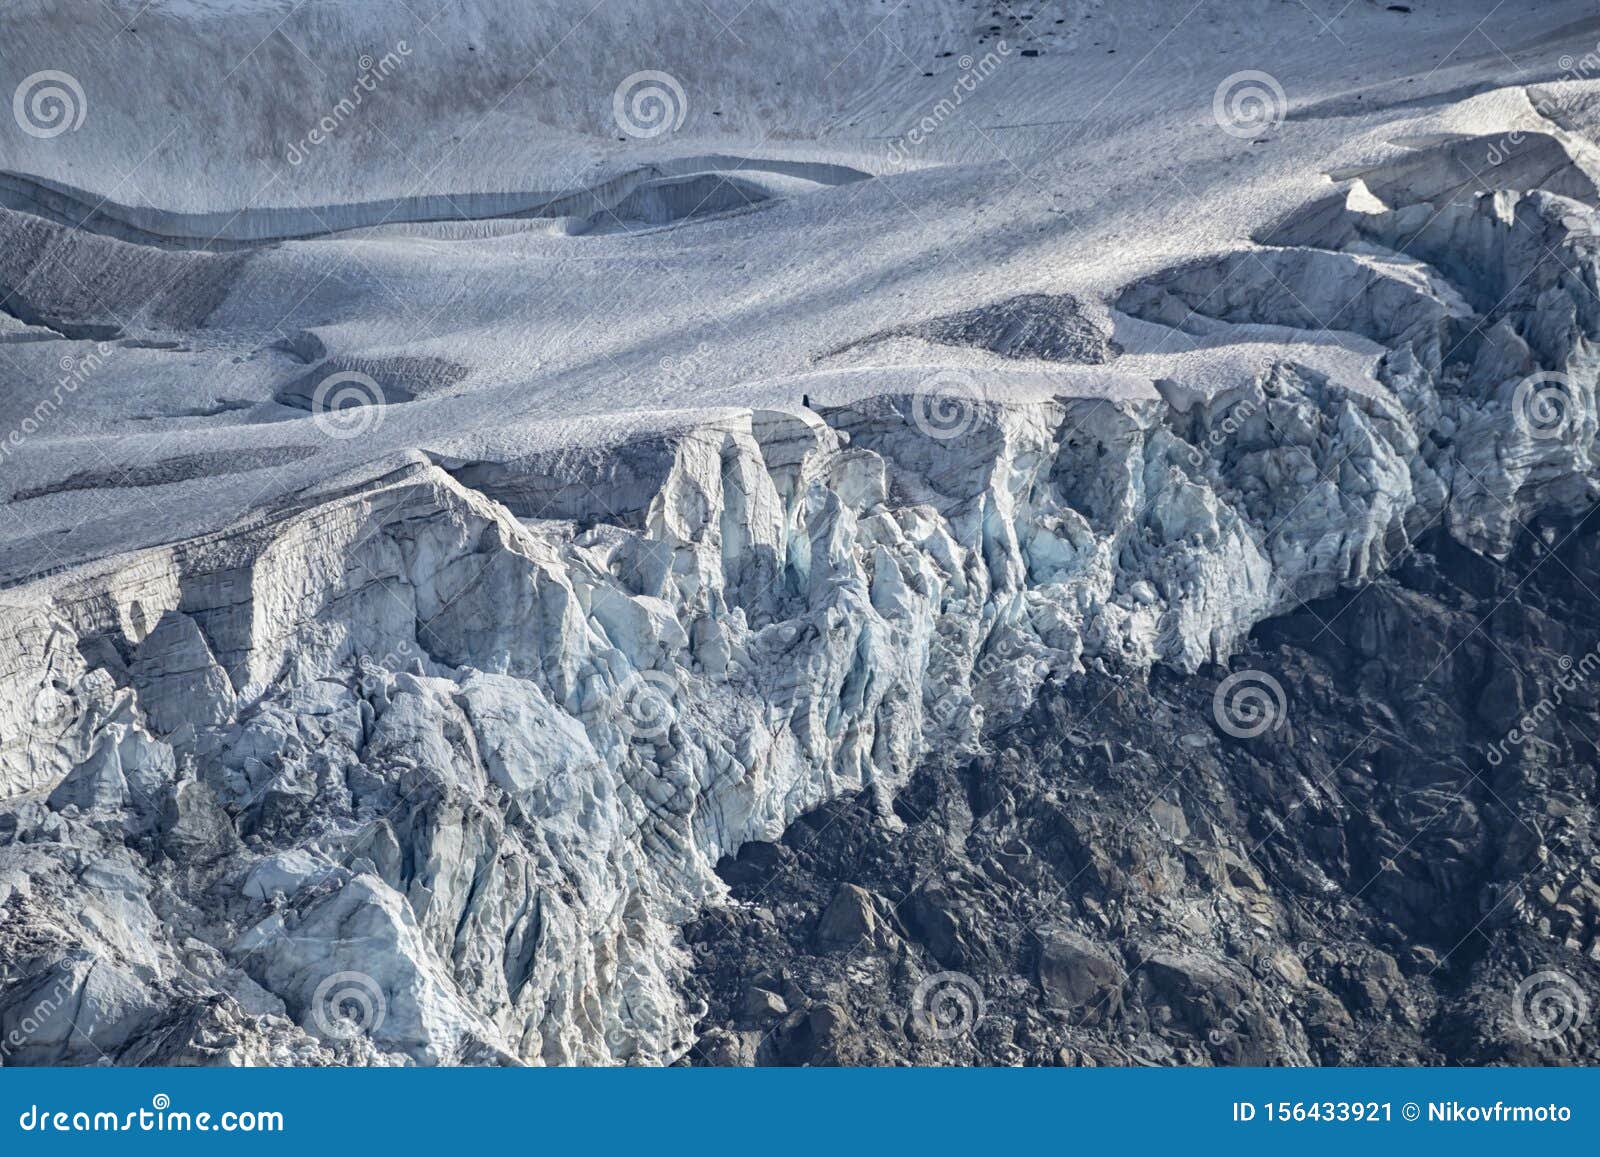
1079 977
1052 327
1400 868
1048 326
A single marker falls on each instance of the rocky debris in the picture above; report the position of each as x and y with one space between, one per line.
1385 878
761 1004
728 1049
850 919
1078 977
1048 326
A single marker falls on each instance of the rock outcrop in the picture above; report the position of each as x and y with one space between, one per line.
1380 877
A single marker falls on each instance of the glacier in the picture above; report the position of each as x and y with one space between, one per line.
447 723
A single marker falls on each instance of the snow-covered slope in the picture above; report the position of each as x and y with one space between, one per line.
432 547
